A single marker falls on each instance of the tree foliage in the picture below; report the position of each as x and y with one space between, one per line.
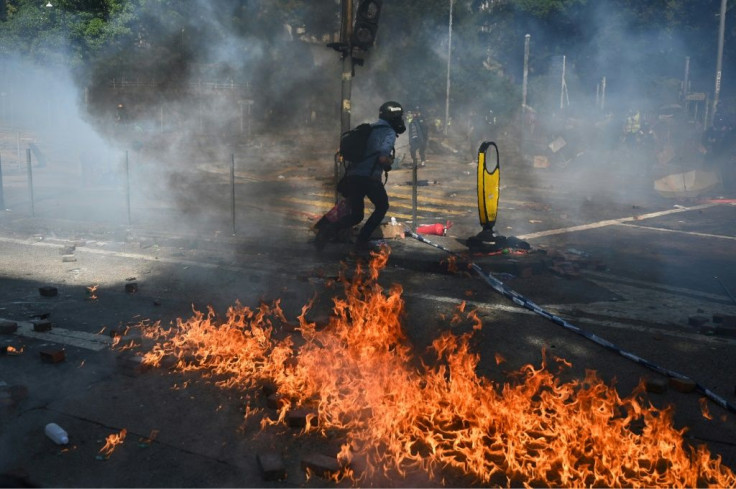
262 43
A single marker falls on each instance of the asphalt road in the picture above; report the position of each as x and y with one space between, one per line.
609 256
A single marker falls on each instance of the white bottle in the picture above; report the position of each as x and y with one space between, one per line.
393 221
57 434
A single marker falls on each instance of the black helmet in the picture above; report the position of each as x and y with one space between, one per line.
393 113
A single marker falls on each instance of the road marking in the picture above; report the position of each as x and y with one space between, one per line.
482 306
612 222
691 233
647 286
62 336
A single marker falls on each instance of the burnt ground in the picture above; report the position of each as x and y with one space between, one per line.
651 275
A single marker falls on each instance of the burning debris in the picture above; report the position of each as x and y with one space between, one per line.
111 443
359 376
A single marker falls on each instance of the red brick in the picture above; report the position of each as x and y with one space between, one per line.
276 401
697 320
53 355
41 325
321 465
272 466
132 365
297 418
657 386
48 291
682 385
725 320
8 327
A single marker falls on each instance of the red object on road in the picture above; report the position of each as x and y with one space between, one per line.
437 229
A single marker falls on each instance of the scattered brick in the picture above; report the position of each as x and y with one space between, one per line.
725 330
132 365
41 325
53 355
697 320
8 327
276 401
168 362
272 466
657 386
114 332
68 258
322 465
724 320
48 291
682 385
131 288
297 418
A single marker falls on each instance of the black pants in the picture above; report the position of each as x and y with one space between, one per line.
356 189
421 148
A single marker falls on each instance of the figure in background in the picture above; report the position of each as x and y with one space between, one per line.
418 137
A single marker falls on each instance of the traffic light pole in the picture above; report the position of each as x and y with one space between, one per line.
346 33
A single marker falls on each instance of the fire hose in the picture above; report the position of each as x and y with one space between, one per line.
522 301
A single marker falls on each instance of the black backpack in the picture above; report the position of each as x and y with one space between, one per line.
354 142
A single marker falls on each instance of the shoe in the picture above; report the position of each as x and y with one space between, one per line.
423 163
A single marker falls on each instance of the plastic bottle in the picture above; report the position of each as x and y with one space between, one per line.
393 222
57 434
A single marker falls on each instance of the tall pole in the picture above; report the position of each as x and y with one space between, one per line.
346 33
719 61
449 61
524 82
562 84
686 79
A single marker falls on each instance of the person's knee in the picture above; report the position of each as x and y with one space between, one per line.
382 207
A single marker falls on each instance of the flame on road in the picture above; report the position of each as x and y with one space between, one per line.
112 441
401 413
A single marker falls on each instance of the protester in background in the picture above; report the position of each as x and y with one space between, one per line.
364 178
418 137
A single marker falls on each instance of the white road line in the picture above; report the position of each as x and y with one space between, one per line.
79 339
607 277
481 306
690 233
612 222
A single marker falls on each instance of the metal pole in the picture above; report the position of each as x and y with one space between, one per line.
525 78
449 62
30 182
686 80
414 199
346 33
719 60
562 85
127 185
603 93
232 190
2 196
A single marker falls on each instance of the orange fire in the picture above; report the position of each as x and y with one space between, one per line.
112 441
401 413
92 292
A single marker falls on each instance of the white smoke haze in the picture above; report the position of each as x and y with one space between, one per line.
210 88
